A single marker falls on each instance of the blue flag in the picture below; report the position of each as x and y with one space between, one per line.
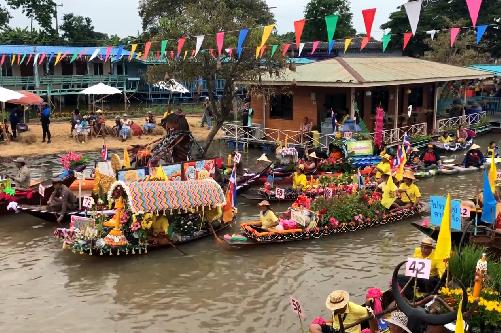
480 32
489 202
331 45
241 39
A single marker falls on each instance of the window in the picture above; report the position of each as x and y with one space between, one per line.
80 68
98 68
66 68
120 68
281 106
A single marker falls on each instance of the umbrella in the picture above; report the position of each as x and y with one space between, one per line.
172 86
100 89
27 98
7 94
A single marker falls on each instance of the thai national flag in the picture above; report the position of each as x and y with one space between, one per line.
407 144
233 186
104 153
400 158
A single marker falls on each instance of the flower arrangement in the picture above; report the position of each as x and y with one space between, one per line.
72 160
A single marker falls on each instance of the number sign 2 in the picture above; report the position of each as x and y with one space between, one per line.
465 211
419 268
296 307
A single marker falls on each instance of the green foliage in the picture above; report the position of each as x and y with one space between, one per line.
344 208
40 10
345 179
462 267
79 30
4 17
317 10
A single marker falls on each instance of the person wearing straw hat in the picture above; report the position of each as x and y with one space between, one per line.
398 322
426 251
384 166
310 164
474 157
299 180
409 192
344 314
267 219
23 175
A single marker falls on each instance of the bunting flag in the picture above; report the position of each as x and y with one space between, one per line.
44 55
120 52
364 43
82 52
314 46
285 48
74 57
163 47
444 243
407 38
266 33
258 51
347 43
133 48
22 59
13 59
51 57
160 173
298 29
459 319
301 46
200 40
96 52
147 47
126 159
180 44
473 9
108 53
2 60
480 32
185 54
493 173
229 51
220 42
18 58
413 10
432 33
331 23
331 45
489 202
241 39
386 41
454 34
273 50
29 59
368 15
262 50
35 60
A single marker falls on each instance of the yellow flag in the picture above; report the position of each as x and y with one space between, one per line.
389 193
126 159
459 319
443 249
493 173
266 33
347 43
132 50
258 51
58 58
13 59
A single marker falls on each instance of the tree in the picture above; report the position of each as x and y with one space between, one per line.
208 17
40 10
78 29
317 10
4 17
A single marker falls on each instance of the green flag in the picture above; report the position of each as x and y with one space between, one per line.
273 50
331 22
22 59
163 46
75 56
386 40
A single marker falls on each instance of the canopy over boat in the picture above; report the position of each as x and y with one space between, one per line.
151 196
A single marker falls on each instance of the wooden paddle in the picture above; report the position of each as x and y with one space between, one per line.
175 247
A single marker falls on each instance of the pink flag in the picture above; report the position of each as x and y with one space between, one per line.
407 38
3 60
29 59
474 8
230 52
180 44
63 56
19 58
81 53
454 34
364 43
147 47
315 46
262 51
285 48
298 28
220 42
42 58
369 19
108 53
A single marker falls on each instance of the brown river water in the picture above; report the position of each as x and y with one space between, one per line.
211 289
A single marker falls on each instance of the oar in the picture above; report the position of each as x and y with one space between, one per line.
176 248
218 239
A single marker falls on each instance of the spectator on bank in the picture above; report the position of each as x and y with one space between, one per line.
75 118
149 125
118 126
125 131
207 113
305 130
14 119
45 120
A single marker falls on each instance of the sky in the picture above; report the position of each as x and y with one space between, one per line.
121 17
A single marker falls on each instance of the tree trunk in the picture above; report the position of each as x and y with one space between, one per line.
211 135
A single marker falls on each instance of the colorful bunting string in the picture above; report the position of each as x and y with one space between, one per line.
220 42
454 33
386 41
314 47
368 15
473 9
480 32
298 29
347 43
413 10
241 39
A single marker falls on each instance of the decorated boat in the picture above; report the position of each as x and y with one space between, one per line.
452 146
149 214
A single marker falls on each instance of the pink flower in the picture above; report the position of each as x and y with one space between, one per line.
333 222
135 226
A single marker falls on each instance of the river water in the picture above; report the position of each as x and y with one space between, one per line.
211 289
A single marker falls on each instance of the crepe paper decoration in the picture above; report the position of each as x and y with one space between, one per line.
413 10
200 40
44 55
454 34
331 23
180 44
273 50
331 45
163 47
368 15
266 33
220 42
432 33
108 53
386 41
2 60
241 39
96 52
285 48
473 9
407 38
132 50
301 46
364 43
315 46
444 243
347 43
480 32
298 29
147 47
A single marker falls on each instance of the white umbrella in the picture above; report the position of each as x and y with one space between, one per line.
172 86
7 95
100 89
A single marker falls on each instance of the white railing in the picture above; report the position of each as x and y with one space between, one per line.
396 135
455 122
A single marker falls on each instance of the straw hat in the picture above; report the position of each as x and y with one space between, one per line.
313 155
301 166
399 319
20 160
430 145
415 150
427 241
386 157
99 111
337 299
125 115
475 146
409 174
264 158
264 203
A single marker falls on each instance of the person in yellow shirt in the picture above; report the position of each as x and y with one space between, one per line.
383 167
267 219
299 180
438 267
409 192
445 138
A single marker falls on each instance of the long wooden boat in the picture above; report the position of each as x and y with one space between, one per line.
453 146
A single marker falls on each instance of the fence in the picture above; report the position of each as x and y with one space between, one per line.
454 122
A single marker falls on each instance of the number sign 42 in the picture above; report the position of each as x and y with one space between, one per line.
419 268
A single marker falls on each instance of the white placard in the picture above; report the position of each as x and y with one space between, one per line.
419 268
465 211
88 202
280 193
41 190
296 307
237 157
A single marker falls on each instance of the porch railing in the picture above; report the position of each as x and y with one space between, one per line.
454 122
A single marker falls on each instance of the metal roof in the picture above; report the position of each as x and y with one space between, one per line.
496 69
34 49
371 72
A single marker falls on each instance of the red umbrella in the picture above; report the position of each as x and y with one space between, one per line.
28 99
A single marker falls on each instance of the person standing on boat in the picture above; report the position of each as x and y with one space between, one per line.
299 180
62 199
383 167
23 176
493 150
474 157
430 157
409 192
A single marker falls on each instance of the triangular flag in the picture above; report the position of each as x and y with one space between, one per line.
444 243
331 45
18 58
200 40
120 51
347 43
241 39
386 41
133 48
459 318
96 52
74 57
473 9
81 53
258 51
180 44
3 60
331 23
29 58
454 34
407 38
493 173
368 15
160 173
163 47
126 159
44 55
314 46
489 202
301 46
147 47
413 10
298 29
229 51
35 60
185 54
432 33
220 42
108 54
261 52
285 48
364 43
273 50
480 32
22 59
266 33
51 57
13 59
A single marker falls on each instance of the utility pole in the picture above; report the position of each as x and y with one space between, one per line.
55 14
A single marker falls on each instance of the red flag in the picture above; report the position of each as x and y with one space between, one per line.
220 42
298 28
364 43
180 44
262 51
19 58
42 58
147 47
108 53
285 48
3 60
315 46
29 59
407 38
369 20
